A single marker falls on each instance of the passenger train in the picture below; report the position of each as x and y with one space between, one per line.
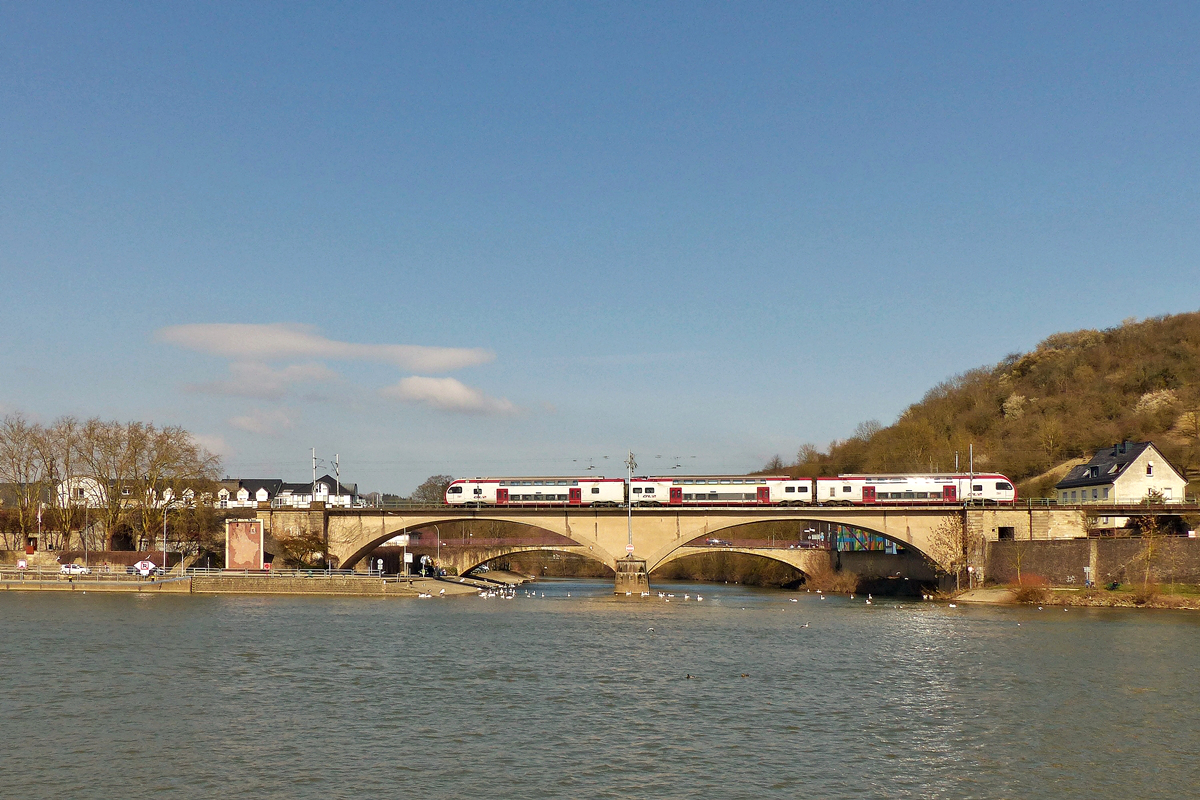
732 490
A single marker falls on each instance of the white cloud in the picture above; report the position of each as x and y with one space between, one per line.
270 422
446 394
276 341
255 379
214 443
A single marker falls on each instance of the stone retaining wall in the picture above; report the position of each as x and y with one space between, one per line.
1061 563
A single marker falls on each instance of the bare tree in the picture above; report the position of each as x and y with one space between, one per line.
433 490
104 451
954 546
61 445
170 468
23 467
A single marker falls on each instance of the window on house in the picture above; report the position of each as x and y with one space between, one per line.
1149 468
1095 494
1006 534
1106 493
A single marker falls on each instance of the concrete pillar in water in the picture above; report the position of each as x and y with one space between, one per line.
632 577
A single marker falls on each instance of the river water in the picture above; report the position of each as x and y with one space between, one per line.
581 695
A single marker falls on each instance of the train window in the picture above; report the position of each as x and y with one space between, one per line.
845 488
832 492
712 481
803 490
595 490
455 490
687 497
922 495
478 490
637 490
1003 486
725 482
526 483
649 490
977 487
791 489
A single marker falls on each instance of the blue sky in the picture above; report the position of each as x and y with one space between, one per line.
519 238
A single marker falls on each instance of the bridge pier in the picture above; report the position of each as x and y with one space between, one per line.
632 577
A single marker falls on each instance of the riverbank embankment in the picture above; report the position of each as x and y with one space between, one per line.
1129 597
341 585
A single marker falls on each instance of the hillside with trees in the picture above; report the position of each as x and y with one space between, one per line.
1034 414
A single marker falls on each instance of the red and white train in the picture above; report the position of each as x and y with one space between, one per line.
733 490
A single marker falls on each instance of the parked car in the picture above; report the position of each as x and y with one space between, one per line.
74 569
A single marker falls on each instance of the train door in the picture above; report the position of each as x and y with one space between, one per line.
501 497
676 495
868 494
575 495
764 494
949 494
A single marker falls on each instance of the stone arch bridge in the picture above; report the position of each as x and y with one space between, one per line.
660 535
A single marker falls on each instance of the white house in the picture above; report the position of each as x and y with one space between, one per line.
249 492
1125 473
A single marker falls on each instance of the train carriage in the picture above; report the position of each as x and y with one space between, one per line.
720 490
888 489
588 490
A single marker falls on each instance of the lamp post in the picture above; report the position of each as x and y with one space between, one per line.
164 538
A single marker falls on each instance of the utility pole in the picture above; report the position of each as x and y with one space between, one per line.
631 464
313 489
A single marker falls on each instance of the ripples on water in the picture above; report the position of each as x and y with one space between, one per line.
574 697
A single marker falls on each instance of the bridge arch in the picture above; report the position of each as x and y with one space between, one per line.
807 562
478 559
779 550
363 541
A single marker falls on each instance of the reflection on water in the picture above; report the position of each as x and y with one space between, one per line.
581 694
